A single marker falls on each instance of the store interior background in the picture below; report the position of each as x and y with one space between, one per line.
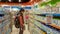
44 17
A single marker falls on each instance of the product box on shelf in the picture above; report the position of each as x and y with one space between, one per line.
4 31
55 21
7 25
49 19
1 19
6 28
58 22
55 9
8 31
0 30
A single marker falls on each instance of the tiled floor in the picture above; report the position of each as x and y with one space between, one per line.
16 31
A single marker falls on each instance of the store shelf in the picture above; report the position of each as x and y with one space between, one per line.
5 24
55 26
51 25
47 28
54 15
37 28
8 31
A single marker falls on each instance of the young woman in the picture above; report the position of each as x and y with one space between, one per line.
20 21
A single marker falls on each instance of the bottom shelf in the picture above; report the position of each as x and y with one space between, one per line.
9 31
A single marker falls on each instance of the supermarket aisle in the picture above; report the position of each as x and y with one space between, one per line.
26 29
16 31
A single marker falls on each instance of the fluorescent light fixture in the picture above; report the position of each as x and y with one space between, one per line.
22 6
44 0
19 0
4 5
9 0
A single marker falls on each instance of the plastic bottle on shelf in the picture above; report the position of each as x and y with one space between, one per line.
49 18
58 22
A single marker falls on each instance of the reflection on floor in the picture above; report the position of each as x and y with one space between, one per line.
16 31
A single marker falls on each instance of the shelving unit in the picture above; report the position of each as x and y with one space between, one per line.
45 27
40 20
4 23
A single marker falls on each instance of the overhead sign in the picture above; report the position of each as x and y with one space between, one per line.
28 7
6 7
16 7
12 7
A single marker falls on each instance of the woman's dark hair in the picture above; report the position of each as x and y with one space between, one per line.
21 10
